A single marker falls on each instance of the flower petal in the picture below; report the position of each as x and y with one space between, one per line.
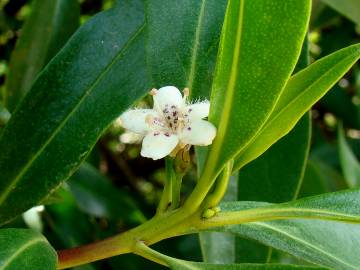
168 95
198 110
157 145
199 132
135 120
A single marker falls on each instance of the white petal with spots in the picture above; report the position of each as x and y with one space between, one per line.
158 145
198 110
199 132
169 95
135 120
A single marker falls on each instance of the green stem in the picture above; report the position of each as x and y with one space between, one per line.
222 182
166 197
176 191
143 250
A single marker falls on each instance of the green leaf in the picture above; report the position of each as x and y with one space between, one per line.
260 44
94 78
300 93
349 8
25 249
185 265
301 228
218 247
48 27
96 196
182 43
276 175
349 163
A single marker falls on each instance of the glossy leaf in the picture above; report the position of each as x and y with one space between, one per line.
48 27
260 44
276 175
94 78
349 163
184 265
300 93
349 8
304 227
96 196
25 249
182 45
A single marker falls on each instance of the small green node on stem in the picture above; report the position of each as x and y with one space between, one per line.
208 213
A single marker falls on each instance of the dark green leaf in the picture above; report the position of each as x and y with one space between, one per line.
96 196
276 175
94 78
183 39
46 30
259 47
25 249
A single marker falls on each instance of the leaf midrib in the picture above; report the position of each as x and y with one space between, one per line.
13 183
196 46
19 251
224 123
302 241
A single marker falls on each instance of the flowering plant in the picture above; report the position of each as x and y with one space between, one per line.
248 88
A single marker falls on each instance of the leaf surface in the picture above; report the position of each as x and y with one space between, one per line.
259 47
25 249
300 93
182 43
47 29
94 78
302 227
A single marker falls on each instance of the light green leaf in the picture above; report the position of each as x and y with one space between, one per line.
301 228
218 247
48 27
349 8
349 163
25 249
185 265
300 93
260 44
96 196
276 176
94 78
182 43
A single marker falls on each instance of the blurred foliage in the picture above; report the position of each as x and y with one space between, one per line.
121 195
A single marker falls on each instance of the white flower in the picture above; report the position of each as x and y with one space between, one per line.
172 123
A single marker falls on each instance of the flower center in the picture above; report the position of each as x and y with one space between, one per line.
175 118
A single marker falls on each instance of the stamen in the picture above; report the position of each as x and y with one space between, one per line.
153 92
186 92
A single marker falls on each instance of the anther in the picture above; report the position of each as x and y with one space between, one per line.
153 92
186 92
